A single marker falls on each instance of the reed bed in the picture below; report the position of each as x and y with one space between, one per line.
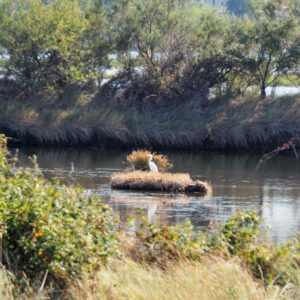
243 123
173 182
237 124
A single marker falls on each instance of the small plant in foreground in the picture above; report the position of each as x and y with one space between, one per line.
139 161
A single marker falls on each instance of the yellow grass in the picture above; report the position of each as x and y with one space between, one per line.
139 160
210 279
176 182
207 280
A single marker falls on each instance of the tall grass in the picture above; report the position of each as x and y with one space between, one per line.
209 279
246 122
212 278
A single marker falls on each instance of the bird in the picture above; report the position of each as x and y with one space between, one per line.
152 165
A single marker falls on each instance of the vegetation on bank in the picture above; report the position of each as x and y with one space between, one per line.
59 242
155 51
177 75
244 123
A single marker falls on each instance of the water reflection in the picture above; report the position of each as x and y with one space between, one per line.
275 188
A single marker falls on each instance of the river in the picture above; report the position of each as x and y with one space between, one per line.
274 190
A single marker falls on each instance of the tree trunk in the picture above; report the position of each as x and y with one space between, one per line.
263 90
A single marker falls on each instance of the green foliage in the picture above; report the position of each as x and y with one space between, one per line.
139 161
240 230
48 227
272 263
162 50
44 44
159 32
239 236
161 244
270 42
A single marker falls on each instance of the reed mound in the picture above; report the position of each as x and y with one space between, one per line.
151 181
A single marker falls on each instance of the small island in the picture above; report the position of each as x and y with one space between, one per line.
140 176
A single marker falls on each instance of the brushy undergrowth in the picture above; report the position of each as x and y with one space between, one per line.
138 160
55 237
51 228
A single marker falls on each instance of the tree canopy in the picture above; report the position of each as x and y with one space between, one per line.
147 50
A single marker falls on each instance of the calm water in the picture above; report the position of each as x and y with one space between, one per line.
275 189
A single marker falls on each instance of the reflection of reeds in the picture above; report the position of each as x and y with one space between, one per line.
176 182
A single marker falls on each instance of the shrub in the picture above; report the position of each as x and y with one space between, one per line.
238 237
272 263
48 227
139 161
160 244
240 230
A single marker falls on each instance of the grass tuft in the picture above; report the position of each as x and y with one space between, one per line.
139 161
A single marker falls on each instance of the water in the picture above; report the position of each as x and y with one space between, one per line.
274 189
279 91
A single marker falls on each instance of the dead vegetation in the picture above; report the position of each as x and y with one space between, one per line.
244 123
174 182
138 160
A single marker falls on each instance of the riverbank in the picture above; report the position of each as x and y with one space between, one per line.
83 119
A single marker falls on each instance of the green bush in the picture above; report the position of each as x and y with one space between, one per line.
240 230
274 264
161 244
48 227
238 237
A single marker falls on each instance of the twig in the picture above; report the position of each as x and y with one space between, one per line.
44 280
286 146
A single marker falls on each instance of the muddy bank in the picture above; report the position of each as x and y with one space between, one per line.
246 139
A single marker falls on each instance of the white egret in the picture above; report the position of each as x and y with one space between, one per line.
152 165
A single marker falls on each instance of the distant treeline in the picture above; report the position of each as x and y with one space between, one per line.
154 50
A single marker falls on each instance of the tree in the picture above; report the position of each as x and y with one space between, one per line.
44 43
154 40
270 44
178 49
238 7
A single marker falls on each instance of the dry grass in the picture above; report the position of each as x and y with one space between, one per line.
175 182
247 122
139 160
206 280
209 279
